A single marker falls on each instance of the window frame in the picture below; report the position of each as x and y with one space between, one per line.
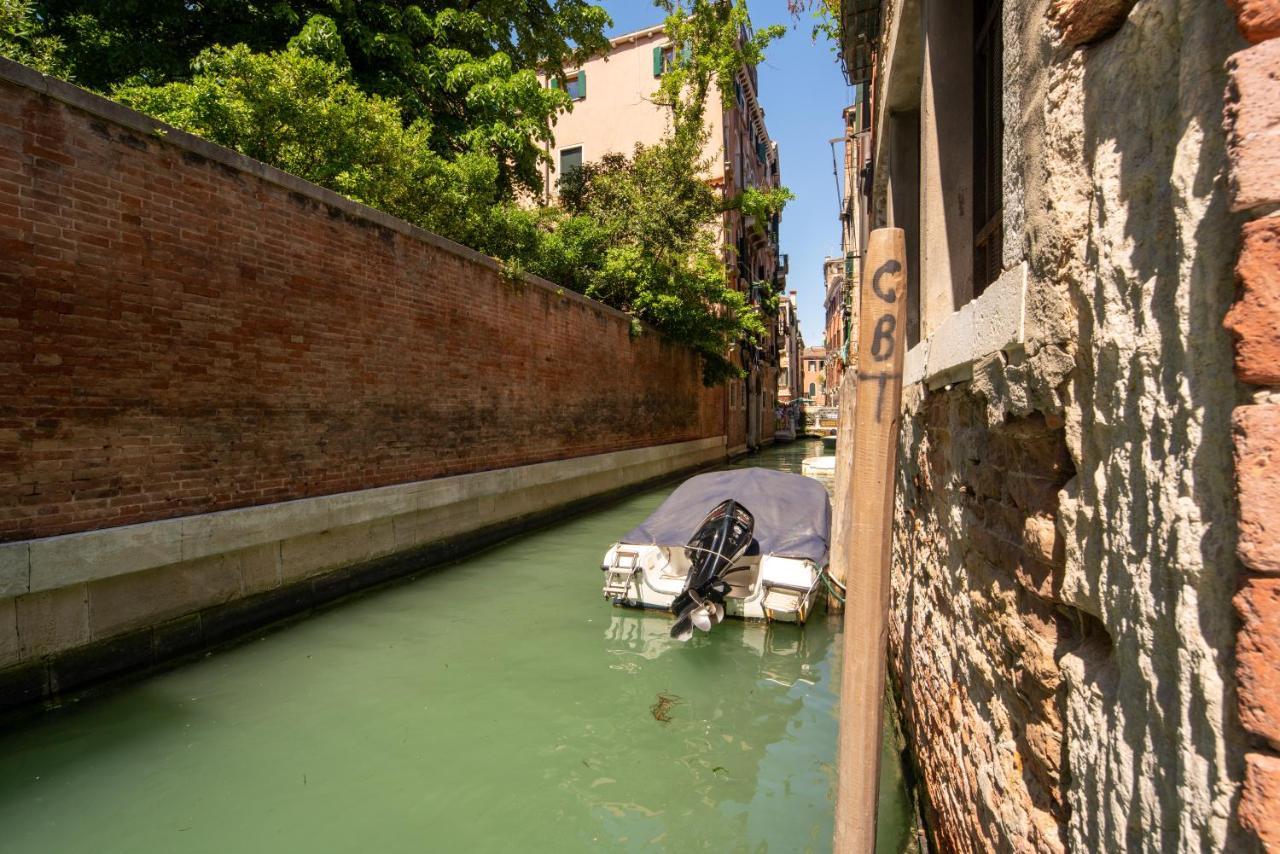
988 144
560 167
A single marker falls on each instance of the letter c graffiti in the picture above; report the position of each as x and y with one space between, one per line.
891 266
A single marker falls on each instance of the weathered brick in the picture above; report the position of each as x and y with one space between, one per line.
1083 21
1257 450
1252 122
1259 809
1258 20
1255 319
1258 657
182 338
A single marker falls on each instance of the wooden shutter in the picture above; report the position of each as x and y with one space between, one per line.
582 84
657 61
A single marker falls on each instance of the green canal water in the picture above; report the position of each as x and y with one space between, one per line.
498 704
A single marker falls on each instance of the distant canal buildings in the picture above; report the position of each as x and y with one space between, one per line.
613 111
790 345
814 376
838 318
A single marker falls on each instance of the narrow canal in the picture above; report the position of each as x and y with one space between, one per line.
498 704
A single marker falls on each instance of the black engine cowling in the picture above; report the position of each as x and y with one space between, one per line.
722 538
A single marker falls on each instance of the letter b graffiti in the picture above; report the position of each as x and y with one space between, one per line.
882 342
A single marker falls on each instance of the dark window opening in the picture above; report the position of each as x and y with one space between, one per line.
988 144
570 158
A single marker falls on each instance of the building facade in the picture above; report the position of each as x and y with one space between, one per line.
790 345
835 333
1081 492
613 111
813 376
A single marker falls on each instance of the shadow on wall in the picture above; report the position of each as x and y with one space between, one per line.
1155 391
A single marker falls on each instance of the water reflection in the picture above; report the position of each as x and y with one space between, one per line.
783 652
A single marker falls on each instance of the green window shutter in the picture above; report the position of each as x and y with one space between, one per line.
657 61
555 84
582 84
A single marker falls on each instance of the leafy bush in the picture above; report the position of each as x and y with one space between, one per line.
22 39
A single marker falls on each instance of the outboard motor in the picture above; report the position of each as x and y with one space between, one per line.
722 538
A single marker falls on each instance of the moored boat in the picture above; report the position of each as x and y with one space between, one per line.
749 543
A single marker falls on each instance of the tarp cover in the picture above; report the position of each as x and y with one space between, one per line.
792 513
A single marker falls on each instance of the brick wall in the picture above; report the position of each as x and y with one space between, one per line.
183 330
1253 130
977 624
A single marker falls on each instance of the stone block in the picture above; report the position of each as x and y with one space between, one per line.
1258 657
1040 539
1259 809
15 569
1257 445
1083 21
310 555
1255 319
260 568
140 599
1252 122
52 621
1258 20
77 558
10 652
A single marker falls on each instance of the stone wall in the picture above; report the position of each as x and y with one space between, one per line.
1253 130
1062 628
978 624
186 331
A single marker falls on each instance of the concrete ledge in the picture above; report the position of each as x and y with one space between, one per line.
81 589
32 566
994 321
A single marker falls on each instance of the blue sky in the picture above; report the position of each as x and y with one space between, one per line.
802 91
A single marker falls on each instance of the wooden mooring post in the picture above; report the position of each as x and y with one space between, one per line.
867 530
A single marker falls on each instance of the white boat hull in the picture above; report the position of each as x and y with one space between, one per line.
763 587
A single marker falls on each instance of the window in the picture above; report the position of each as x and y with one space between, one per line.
988 144
813 389
570 158
575 85
664 56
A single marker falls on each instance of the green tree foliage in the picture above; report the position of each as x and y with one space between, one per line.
467 69
825 18
299 109
713 40
635 234
22 39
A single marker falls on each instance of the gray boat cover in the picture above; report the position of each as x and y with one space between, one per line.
792 512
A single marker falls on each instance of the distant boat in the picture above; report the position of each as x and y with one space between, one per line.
749 543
